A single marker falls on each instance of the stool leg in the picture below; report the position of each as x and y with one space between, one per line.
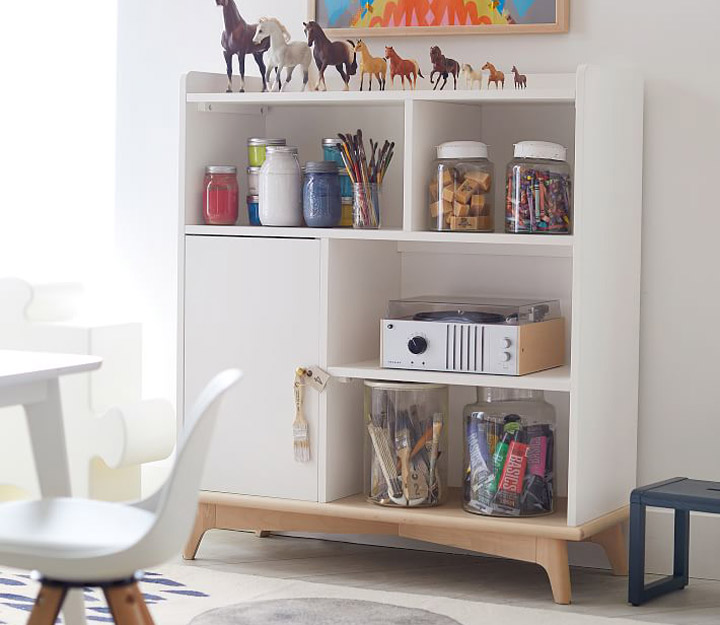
681 559
127 605
636 583
47 605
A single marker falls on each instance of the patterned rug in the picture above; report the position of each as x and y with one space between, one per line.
179 594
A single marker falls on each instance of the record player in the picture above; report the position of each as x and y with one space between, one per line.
473 335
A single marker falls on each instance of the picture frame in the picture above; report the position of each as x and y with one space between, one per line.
536 17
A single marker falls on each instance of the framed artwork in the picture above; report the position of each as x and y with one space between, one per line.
393 18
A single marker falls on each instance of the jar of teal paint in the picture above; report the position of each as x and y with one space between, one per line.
331 152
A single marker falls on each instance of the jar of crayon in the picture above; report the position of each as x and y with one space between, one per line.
509 453
538 190
405 443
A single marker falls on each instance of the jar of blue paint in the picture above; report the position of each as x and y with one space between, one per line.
321 195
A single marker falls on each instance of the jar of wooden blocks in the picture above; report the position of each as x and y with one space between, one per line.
406 443
460 193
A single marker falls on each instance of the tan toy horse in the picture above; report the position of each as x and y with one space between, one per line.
496 76
471 76
372 65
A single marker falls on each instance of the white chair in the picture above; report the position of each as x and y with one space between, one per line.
74 543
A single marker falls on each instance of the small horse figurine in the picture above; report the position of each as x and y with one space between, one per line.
326 53
443 66
520 79
471 76
402 67
495 76
373 65
237 38
283 53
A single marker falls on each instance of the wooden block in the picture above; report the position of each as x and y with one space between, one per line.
466 190
482 178
447 176
469 223
442 207
434 191
461 210
448 193
478 206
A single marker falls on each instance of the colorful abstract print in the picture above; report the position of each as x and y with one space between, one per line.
18 591
405 13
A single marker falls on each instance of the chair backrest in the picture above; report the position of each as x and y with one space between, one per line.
175 504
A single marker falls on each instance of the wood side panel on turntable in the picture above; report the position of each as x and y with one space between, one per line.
541 346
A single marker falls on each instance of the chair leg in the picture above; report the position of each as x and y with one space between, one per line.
127 605
204 520
681 556
613 542
552 555
636 583
47 605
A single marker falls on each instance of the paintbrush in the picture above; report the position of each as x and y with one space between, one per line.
437 425
384 455
301 438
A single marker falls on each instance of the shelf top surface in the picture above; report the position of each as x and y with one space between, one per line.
557 379
386 234
450 515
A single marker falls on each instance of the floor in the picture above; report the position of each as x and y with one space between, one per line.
456 576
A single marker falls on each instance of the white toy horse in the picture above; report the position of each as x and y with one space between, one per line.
282 53
471 76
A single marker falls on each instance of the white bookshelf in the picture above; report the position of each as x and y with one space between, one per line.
269 299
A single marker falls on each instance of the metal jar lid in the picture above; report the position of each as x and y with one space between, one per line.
321 167
253 199
262 141
220 169
253 170
281 149
330 141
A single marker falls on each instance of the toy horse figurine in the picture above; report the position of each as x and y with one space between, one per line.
282 54
495 76
471 76
443 66
237 38
403 68
520 79
326 53
373 65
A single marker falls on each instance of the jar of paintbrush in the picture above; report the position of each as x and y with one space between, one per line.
366 175
405 443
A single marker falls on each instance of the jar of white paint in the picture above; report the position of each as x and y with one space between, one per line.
280 188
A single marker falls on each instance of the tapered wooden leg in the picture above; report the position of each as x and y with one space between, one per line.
262 533
552 555
47 605
127 605
613 542
204 520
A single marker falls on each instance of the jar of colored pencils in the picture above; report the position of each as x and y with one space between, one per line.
366 205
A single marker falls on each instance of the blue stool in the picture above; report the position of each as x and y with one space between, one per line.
681 495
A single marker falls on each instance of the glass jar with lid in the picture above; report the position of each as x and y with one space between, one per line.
220 195
321 195
460 192
405 443
331 152
280 188
539 190
257 149
509 453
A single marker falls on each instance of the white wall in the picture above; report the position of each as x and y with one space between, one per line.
674 45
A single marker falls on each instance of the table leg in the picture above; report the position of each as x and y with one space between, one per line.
47 434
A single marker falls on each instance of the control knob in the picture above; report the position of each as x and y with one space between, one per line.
417 345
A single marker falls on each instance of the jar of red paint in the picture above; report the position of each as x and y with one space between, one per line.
220 195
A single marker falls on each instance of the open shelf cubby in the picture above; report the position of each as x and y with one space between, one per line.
267 300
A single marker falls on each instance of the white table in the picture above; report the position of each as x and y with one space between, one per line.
31 379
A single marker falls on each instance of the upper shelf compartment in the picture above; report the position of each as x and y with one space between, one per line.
543 88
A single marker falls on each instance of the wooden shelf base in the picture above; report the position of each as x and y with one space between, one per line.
541 540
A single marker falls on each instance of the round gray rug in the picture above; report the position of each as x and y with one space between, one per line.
319 612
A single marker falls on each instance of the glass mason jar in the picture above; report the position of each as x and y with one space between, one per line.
460 192
321 195
257 149
509 453
280 188
220 195
331 152
405 443
253 180
253 205
366 205
539 190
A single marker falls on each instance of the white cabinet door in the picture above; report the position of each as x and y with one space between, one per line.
254 303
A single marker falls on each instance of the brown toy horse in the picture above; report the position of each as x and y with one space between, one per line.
237 38
520 79
326 53
496 76
403 68
443 66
